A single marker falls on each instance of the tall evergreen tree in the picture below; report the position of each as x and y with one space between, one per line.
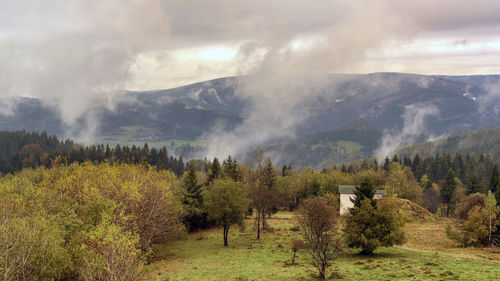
363 190
268 176
473 184
195 217
387 164
494 178
395 158
448 189
417 167
193 191
231 169
215 171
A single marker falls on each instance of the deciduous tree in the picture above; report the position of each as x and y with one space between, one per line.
226 203
319 226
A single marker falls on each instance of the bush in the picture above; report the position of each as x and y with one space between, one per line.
32 249
371 227
475 231
84 221
110 253
476 199
297 244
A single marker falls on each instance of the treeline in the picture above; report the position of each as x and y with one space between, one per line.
478 173
21 149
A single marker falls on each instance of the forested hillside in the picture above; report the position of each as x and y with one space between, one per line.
486 141
353 142
21 149
192 111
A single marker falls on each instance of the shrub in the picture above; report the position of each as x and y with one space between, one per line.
371 227
476 199
297 244
474 233
110 253
32 249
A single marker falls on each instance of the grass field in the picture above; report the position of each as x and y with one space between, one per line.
428 255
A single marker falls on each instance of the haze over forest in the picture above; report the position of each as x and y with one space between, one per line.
96 72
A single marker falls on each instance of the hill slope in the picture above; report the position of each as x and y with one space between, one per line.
353 142
192 111
486 141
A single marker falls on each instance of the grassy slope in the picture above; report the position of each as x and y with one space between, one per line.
428 255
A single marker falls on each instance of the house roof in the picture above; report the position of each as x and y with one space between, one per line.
349 189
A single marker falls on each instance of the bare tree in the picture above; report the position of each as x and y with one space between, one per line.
297 244
263 200
319 226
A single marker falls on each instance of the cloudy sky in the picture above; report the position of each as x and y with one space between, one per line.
71 52
149 44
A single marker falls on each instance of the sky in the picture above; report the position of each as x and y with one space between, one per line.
167 43
71 53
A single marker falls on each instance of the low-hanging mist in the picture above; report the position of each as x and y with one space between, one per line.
80 56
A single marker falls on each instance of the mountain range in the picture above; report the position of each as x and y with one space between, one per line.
346 118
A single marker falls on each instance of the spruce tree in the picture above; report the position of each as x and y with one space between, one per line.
268 177
395 158
195 217
193 191
494 179
387 164
473 184
231 169
448 189
363 190
215 171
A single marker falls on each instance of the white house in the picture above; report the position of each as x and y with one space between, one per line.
347 192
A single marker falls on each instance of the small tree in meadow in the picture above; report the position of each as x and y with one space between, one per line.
297 245
319 226
226 203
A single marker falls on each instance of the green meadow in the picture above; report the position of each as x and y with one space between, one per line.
201 256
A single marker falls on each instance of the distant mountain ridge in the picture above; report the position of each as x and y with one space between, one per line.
189 112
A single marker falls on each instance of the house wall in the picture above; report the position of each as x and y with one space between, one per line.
346 204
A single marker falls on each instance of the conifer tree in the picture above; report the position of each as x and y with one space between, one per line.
447 190
231 169
473 184
364 190
494 179
395 158
387 164
195 217
268 177
215 171
193 191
